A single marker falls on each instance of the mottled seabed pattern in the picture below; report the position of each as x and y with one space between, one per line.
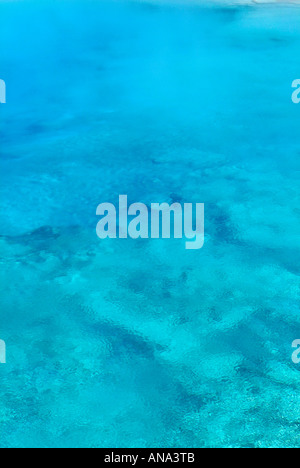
126 343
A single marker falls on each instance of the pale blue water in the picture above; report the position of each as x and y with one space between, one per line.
142 343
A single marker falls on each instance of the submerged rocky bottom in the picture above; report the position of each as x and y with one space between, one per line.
124 343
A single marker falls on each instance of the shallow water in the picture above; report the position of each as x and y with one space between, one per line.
142 343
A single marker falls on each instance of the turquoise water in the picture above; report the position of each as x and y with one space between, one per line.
124 343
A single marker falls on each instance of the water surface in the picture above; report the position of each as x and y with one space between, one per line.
142 343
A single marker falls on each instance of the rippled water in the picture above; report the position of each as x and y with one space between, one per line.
128 343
